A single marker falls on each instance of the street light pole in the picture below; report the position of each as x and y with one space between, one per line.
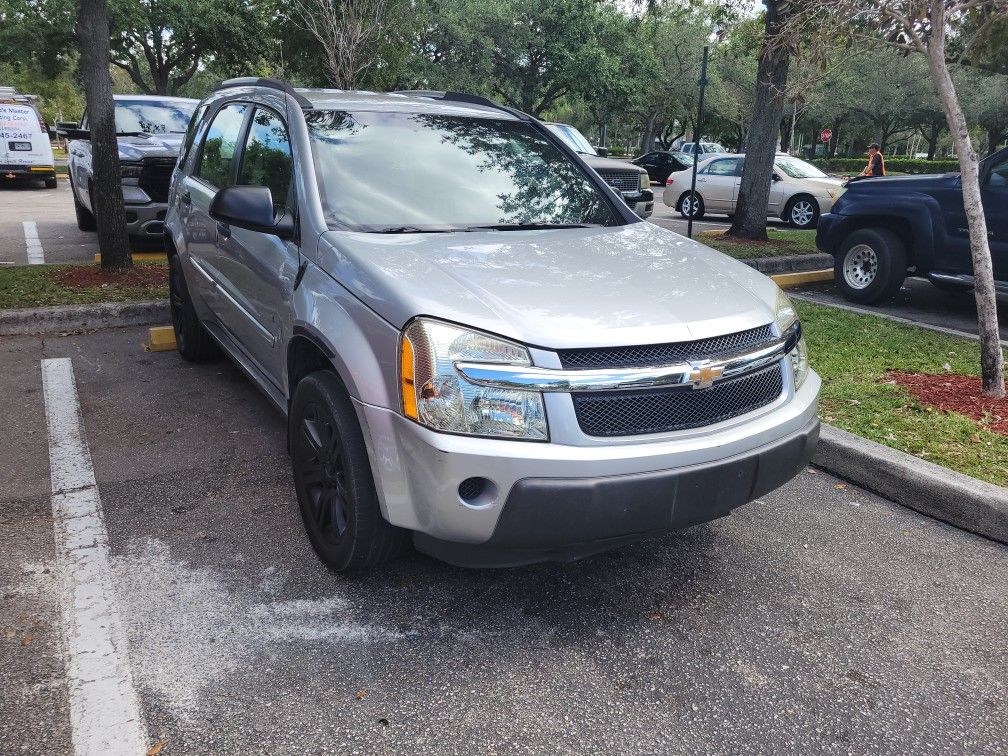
696 141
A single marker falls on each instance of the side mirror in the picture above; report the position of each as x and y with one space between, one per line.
602 151
775 177
251 207
71 130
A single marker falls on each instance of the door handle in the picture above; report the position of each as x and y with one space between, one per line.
186 198
223 230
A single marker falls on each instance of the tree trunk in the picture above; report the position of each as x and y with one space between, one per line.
785 134
991 357
647 138
933 139
761 140
106 190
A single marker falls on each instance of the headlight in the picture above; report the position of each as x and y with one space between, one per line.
645 181
130 170
786 318
436 395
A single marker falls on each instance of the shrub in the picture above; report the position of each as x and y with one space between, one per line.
896 164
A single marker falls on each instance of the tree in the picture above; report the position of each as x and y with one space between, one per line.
925 27
162 44
109 211
988 103
349 32
764 128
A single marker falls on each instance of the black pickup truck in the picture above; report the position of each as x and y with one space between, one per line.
882 229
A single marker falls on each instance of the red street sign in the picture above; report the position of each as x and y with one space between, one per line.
825 135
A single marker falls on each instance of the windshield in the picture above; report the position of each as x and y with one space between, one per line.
711 147
401 172
574 138
798 169
153 117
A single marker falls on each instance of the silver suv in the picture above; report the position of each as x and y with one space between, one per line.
471 335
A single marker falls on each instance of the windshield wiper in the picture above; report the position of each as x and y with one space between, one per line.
410 230
529 226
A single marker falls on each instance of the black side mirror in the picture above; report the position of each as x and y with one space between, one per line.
251 207
775 177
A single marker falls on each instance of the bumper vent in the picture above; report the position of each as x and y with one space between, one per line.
632 413
664 354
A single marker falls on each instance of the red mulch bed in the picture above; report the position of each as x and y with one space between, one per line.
956 393
91 276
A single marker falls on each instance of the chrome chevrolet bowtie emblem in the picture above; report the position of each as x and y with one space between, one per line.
703 374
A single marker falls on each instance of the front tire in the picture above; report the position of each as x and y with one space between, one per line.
85 218
691 205
332 476
50 183
870 266
802 212
192 341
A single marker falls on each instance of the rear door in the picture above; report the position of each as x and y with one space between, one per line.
260 268
994 194
719 184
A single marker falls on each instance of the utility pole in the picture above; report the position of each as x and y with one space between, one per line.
696 141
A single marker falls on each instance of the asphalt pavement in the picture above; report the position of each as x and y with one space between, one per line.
820 619
52 213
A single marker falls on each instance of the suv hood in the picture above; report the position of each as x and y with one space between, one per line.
153 145
598 163
559 289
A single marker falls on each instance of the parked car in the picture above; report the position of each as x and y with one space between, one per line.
661 163
706 148
630 181
472 336
25 150
880 228
150 131
799 192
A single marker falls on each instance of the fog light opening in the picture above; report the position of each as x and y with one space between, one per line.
477 492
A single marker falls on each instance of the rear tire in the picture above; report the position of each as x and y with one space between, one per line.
332 476
192 341
50 183
802 212
686 207
870 266
85 218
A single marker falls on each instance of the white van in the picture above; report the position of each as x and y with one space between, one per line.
25 151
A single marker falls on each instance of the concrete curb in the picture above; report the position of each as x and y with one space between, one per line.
73 318
930 489
790 263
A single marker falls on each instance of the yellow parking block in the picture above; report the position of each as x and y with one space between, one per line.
790 280
160 339
141 257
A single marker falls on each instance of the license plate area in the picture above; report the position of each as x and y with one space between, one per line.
20 146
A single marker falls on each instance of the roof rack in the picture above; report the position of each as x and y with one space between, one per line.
262 81
470 99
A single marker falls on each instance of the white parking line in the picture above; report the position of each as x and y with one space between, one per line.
104 710
32 243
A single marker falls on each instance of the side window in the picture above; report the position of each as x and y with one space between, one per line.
723 167
266 159
219 146
190 134
999 174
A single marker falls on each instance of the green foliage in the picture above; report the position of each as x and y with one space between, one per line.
40 286
37 35
60 95
779 242
893 164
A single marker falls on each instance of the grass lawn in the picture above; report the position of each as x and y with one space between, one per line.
852 354
781 242
43 285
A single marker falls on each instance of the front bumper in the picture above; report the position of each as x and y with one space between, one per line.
641 201
417 473
144 217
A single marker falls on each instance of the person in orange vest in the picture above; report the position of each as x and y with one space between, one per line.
876 162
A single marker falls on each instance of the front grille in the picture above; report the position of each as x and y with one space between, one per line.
632 413
622 181
663 354
155 177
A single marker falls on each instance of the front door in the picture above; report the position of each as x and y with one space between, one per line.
261 268
994 193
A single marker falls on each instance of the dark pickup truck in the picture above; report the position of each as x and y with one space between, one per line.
882 229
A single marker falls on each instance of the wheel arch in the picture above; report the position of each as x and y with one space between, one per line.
898 225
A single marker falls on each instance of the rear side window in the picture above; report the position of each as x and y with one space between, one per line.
723 167
217 160
266 160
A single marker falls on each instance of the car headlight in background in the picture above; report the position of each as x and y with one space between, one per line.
645 181
437 396
787 318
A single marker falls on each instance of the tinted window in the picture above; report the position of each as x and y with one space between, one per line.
384 170
999 174
723 167
219 146
267 160
191 134
153 116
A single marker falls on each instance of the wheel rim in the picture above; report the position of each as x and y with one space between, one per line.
860 266
323 474
802 213
177 303
688 206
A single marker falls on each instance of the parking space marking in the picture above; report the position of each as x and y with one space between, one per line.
32 244
104 708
